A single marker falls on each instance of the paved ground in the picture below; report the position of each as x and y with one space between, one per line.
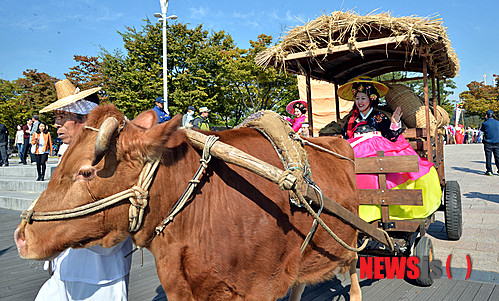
21 279
480 203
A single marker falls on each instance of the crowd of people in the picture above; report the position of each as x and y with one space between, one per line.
462 135
31 139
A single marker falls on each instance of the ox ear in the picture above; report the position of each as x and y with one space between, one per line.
146 119
164 130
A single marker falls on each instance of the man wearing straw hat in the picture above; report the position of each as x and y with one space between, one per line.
95 273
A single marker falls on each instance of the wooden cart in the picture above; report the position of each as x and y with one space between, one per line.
339 47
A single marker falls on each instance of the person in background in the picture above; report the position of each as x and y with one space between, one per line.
469 137
201 122
19 141
188 117
4 140
459 134
27 141
159 108
95 273
298 108
490 129
33 130
43 147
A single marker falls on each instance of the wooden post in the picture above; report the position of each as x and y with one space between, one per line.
439 101
429 153
337 102
434 100
309 106
440 143
385 210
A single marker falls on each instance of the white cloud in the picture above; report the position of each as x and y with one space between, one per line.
198 12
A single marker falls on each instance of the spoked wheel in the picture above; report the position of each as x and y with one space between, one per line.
453 211
424 251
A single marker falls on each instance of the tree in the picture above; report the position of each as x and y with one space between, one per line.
10 114
204 69
36 90
479 98
87 74
134 77
256 88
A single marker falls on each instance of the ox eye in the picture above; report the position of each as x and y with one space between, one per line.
86 173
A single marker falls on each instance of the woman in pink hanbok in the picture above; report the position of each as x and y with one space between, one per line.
368 131
299 109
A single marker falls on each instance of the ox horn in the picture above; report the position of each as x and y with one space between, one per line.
103 140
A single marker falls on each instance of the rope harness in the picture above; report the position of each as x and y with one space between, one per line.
137 195
180 204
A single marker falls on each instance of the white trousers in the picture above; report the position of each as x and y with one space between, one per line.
56 289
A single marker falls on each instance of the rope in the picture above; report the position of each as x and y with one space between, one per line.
314 224
328 230
179 205
303 141
137 196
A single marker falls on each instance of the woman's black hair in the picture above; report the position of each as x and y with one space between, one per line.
369 90
44 131
301 107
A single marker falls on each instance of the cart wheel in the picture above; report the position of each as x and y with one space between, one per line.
424 251
453 211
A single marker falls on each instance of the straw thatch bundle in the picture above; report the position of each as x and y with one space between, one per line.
413 108
348 28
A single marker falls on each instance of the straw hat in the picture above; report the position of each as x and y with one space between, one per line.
67 94
289 107
345 91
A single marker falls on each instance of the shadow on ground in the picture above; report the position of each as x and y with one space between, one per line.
437 230
469 170
484 196
161 296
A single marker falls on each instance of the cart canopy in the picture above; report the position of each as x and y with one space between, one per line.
343 45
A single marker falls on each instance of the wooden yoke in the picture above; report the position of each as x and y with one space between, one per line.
384 197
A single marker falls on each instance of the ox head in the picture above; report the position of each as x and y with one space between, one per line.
97 164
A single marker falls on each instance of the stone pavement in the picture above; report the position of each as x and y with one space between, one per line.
480 204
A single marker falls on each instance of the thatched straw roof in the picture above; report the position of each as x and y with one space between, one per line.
342 45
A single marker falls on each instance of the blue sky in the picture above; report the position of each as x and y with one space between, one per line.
44 35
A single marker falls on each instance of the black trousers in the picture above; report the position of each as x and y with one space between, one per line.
26 149
3 153
41 164
491 148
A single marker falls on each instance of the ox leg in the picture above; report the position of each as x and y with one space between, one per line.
355 292
296 291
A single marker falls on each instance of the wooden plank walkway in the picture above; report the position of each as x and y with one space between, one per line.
21 279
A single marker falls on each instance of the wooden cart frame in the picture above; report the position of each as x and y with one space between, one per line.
339 55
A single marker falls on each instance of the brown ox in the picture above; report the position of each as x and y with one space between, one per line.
238 238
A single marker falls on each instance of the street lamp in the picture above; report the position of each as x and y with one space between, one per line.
162 18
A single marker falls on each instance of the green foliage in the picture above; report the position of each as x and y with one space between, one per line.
134 77
22 98
479 98
204 69
9 106
250 88
473 121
